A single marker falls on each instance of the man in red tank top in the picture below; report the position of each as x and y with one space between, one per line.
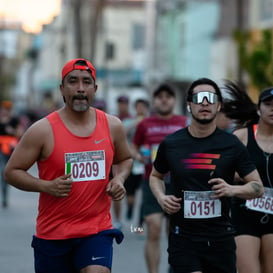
74 148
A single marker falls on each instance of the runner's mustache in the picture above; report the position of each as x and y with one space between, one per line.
80 97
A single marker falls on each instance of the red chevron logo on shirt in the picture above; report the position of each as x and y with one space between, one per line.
201 161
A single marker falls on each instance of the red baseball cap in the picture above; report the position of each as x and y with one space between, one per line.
73 65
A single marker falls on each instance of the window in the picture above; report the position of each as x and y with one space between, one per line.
109 51
138 36
266 10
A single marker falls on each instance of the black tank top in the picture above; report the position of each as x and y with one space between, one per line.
262 160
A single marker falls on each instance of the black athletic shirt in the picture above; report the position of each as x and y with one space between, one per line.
262 160
192 162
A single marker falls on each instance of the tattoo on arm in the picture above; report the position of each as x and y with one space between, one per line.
256 187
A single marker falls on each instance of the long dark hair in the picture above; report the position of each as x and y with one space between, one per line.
238 106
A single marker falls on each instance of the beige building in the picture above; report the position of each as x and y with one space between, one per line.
117 46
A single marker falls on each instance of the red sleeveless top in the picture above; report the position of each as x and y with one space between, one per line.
86 210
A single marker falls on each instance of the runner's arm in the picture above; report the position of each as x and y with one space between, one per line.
123 161
29 149
253 187
169 203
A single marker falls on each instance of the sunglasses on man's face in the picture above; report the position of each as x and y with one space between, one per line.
199 97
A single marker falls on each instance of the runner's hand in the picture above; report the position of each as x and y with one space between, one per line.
170 204
221 188
59 187
116 190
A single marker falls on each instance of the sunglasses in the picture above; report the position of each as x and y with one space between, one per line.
198 98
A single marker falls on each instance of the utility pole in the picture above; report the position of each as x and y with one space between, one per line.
77 6
96 11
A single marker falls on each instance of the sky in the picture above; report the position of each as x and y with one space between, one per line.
31 13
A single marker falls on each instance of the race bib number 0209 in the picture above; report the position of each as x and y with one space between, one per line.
200 205
85 166
262 204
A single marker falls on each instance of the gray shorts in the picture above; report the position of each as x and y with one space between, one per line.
149 202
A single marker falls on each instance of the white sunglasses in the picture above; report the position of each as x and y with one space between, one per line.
198 98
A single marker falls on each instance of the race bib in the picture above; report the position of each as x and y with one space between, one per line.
262 204
85 166
200 205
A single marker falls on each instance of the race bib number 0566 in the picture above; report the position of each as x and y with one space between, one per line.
262 204
85 166
200 205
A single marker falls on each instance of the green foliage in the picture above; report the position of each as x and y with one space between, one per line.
256 58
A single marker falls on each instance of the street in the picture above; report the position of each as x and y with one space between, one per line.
17 225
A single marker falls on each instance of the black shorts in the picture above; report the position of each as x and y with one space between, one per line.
187 256
249 222
132 183
149 202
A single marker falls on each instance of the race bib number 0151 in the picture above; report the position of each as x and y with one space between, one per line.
85 166
200 205
262 204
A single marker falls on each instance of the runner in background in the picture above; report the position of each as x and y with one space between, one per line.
133 182
253 219
149 133
10 132
123 112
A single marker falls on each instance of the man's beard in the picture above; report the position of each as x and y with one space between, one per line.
204 121
80 107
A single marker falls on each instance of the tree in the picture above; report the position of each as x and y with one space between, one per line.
255 56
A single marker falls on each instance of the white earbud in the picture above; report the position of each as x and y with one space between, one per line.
258 112
188 108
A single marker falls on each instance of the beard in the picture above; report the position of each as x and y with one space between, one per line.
204 121
81 105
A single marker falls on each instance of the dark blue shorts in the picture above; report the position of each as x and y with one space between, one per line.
71 255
